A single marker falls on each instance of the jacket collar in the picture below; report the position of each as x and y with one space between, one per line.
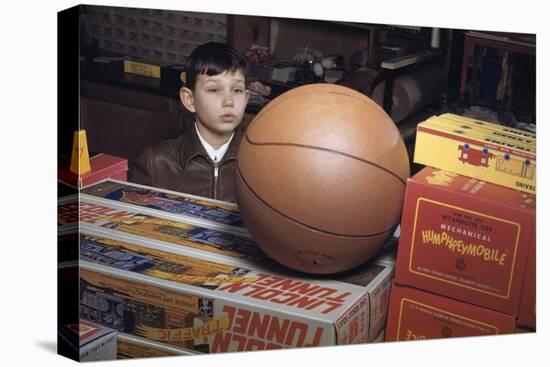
193 148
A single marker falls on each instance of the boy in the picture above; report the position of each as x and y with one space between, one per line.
202 161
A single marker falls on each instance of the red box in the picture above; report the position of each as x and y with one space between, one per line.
527 305
102 166
415 315
466 239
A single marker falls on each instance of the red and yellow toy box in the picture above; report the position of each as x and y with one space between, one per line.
416 315
102 166
489 152
466 239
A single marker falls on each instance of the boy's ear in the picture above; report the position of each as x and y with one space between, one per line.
187 100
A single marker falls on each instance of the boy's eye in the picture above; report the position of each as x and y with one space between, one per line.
237 90
212 90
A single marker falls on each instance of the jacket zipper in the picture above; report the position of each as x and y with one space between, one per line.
216 178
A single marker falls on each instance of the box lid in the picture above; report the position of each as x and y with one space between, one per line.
496 194
102 166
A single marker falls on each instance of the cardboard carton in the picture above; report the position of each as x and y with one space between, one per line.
201 285
466 239
189 300
102 166
95 342
416 315
167 229
517 135
485 153
131 346
179 205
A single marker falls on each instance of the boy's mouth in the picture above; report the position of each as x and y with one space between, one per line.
228 117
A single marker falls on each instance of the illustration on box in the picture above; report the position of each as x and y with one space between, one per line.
134 222
210 210
196 304
478 149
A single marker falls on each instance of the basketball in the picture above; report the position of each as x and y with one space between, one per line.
320 178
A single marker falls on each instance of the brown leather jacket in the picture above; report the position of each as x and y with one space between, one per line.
182 164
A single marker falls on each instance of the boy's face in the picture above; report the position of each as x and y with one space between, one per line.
218 102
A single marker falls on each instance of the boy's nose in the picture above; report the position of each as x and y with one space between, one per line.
227 100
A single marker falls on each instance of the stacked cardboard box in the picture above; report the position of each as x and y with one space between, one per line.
180 274
465 263
102 166
169 202
131 346
68 341
93 342
478 149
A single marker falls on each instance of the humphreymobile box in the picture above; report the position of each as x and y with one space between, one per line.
171 202
164 295
527 306
131 346
510 133
96 342
162 228
416 315
102 166
471 151
466 239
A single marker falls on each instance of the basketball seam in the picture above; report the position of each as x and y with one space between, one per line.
368 101
331 151
306 225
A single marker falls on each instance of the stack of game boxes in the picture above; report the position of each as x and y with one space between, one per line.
179 274
87 341
67 269
466 256
78 339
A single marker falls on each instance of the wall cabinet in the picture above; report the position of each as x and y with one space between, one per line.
122 121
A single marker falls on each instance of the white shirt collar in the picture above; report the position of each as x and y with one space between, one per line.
215 154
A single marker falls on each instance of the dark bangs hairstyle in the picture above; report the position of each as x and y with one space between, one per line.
213 58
